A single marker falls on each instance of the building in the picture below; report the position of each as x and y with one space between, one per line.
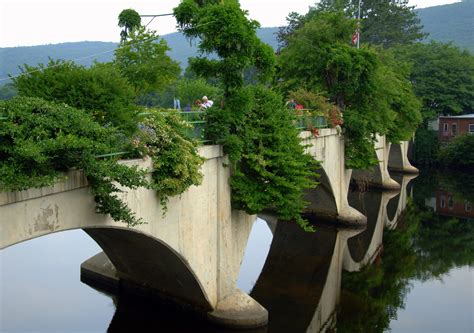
451 126
449 204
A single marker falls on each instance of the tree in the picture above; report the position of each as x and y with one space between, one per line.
41 140
129 20
383 22
459 152
142 59
7 91
375 97
270 169
99 90
269 166
442 77
223 29
389 22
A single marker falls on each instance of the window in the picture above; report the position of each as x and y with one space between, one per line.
454 129
467 206
445 127
471 128
442 202
450 202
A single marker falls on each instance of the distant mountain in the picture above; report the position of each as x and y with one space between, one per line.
445 23
454 22
85 53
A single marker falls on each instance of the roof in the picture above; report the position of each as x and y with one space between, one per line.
460 117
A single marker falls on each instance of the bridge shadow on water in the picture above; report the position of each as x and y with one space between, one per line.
300 282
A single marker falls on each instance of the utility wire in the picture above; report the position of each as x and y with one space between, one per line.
94 55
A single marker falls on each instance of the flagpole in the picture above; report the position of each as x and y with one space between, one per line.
358 26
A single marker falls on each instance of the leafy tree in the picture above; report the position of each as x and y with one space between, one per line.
129 19
223 29
426 148
7 91
395 89
442 77
389 22
459 152
270 167
142 59
189 90
383 22
375 97
41 140
100 90
176 162
186 89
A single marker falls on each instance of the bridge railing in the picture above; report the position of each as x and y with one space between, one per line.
196 120
306 120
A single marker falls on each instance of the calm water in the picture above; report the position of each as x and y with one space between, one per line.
414 275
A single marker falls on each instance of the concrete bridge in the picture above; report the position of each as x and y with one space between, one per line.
191 255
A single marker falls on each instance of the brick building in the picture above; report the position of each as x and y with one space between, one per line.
451 126
448 204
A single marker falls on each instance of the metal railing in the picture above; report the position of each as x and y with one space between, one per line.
197 121
307 122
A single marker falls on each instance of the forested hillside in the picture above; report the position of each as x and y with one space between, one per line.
13 57
453 22
444 23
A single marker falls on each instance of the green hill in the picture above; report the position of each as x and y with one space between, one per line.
454 22
85 53
445 23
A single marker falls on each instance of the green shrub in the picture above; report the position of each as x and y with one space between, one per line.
426 147
40 140
100 90
459 152
176 162
269 166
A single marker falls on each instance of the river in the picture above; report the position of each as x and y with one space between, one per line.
410 272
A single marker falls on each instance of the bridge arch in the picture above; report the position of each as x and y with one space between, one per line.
322 199
398 158
137 256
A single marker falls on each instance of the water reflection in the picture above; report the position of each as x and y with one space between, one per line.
335 279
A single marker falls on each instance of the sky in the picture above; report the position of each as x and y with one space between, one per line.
38 22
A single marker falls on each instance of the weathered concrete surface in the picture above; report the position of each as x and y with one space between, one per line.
378 176
239 310
398 158
330 197
192 254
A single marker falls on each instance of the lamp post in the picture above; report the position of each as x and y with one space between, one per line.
358 26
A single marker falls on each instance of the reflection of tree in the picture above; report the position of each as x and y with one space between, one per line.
442 244
370 298
423 247
459 183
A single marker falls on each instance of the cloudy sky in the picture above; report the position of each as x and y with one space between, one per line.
36 22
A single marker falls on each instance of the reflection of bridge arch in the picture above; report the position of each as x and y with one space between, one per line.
382 209
300 281
363 248
397 204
